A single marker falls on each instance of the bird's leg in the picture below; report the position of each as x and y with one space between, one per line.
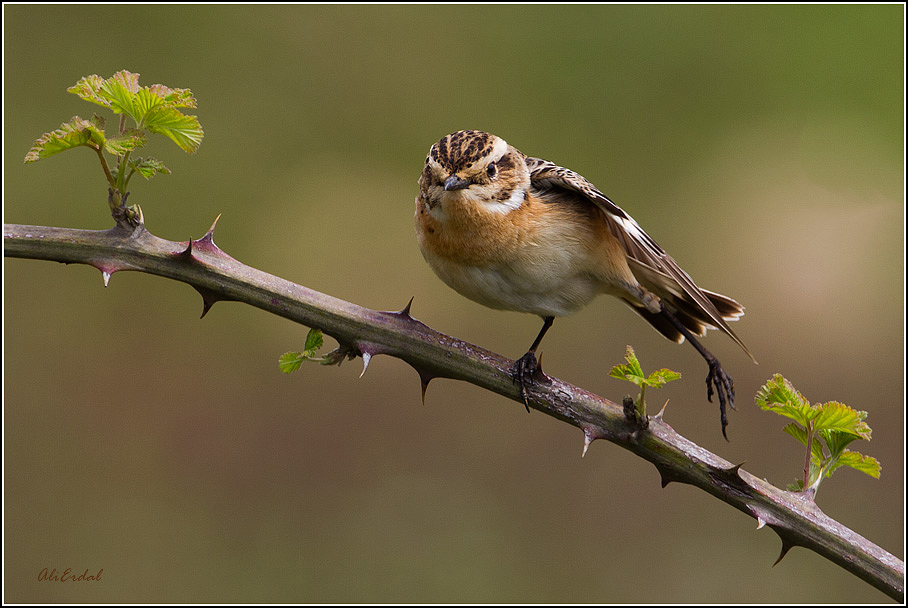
526 367
717 377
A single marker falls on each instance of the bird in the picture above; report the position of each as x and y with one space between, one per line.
518 233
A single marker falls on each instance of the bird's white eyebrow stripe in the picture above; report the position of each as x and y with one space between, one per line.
500 149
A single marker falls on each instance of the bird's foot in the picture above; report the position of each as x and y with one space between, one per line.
719 381
525 372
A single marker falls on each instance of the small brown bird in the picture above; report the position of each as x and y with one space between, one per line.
519 233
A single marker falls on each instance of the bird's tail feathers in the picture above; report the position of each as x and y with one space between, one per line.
693 317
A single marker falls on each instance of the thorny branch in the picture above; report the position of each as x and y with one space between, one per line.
363 332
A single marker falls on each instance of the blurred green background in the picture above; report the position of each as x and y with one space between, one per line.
761 146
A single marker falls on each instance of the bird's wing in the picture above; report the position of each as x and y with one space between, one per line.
642 251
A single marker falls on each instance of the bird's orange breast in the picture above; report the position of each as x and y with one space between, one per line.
545 258
466 234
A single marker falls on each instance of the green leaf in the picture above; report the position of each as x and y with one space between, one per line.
77 132
88 88
144 101
779 396
855 460
120 91
632 372
184 130
624 372
290 362
839 425
314 341
837 441
126 79
147 167
779 390
796 486
838 417
126 141
174 98
660 377
796 431
631 357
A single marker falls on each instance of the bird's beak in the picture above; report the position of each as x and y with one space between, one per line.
456 183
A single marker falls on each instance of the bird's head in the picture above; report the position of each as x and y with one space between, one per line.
475 167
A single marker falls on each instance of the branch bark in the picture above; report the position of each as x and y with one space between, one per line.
363 332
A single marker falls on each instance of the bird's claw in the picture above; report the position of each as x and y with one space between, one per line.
724 389
526 371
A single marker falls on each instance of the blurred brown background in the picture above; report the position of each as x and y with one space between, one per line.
761 146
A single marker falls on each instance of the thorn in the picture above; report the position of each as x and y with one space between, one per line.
733 470
423 385
213 225
758 514
208 237
786 547
731 477
366 350
208 299
665 478
186 253
197 249
367 356
404 314
588 438
788 539
424 379
107 271
668 476
662 411
406 310
206 243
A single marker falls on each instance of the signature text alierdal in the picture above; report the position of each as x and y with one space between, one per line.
68 576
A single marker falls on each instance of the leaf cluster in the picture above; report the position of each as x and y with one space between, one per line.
290 362
824 429
633 372
153 109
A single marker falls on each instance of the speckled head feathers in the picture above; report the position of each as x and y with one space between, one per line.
459 151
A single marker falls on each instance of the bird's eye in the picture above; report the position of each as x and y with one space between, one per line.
492 170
